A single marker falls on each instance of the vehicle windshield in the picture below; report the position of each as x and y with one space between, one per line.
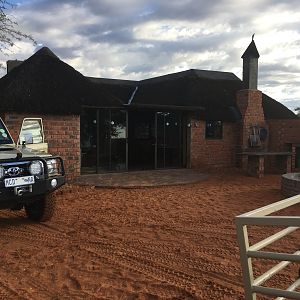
5 137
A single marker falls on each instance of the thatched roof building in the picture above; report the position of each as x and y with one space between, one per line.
194 118
45 84
211 94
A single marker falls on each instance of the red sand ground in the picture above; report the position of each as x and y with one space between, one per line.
153 243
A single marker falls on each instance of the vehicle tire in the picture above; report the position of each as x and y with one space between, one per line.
41 210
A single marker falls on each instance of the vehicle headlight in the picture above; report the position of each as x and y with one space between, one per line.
36 167
2 172
54 167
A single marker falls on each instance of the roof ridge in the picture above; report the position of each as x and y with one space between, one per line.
45 51
158 78
202 74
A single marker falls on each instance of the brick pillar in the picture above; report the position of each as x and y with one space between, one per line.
249 103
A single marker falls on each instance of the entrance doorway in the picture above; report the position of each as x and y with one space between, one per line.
141 140
169 140
103 140
120 140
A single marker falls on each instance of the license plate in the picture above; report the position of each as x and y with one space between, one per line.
18 181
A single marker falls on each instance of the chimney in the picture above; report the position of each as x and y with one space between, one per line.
249 102
250 66
11 64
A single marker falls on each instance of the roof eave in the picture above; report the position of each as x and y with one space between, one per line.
161 106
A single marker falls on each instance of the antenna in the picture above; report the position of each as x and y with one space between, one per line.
253 36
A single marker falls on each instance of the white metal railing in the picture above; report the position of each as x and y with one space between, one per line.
261 217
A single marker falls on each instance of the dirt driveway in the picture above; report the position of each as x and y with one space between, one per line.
150 243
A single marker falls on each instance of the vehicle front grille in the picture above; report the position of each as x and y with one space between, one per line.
16 169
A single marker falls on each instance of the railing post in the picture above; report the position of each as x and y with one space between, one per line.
246 264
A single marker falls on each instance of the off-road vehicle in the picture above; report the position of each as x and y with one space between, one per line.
28 174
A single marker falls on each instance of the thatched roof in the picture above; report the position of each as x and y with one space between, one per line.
275 110
210 93
123 89
45 84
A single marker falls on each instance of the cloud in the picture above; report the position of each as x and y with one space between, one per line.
292 104
136 39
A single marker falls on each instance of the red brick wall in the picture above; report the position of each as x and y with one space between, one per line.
282 132
206 153
62 133
223 153
249 103
283 135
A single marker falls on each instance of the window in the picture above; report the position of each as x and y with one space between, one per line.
214 130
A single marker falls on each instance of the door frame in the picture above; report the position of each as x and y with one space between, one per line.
98 168
183 140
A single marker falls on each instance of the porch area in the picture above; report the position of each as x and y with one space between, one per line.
148 178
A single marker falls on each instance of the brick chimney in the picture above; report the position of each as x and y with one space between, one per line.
249 102
11 64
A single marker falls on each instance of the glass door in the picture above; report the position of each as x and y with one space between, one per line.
173 144
88 141
160 140
118 140
103 144
112 143
141 140
103 140
157 140
169 140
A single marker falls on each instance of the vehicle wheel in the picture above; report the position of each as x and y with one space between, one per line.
41 210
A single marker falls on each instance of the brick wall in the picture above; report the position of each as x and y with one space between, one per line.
223 152
62 133
284 135
207 153
249 103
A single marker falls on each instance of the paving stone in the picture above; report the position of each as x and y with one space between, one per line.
149 178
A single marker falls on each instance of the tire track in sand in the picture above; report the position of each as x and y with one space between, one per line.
6 292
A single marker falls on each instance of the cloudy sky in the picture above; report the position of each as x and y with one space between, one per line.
137 39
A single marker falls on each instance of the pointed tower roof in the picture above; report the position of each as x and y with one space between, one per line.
251 51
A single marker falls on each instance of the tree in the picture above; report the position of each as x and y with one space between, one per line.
9 32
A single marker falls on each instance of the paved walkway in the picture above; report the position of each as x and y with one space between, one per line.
149 178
